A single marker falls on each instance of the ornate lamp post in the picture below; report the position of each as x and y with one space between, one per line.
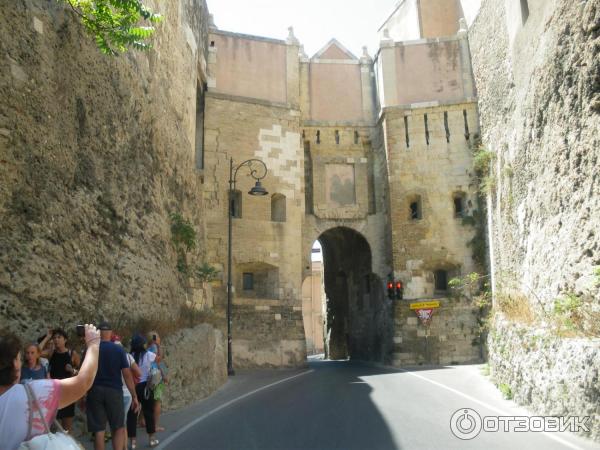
256 167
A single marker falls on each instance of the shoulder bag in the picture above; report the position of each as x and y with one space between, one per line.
49 441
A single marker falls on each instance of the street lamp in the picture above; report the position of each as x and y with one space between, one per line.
257 190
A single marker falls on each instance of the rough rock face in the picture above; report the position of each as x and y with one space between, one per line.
539 96
95 152
554 377
197 361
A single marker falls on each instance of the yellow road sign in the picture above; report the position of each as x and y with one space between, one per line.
425 305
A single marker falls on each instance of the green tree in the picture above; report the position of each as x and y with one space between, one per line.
116 24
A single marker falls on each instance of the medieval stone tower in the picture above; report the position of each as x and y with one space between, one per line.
369 155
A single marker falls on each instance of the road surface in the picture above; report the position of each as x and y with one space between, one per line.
346 405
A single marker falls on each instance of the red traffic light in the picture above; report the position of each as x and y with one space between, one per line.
390 285
399 291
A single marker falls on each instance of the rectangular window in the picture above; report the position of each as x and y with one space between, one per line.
446 127
441 280
524 11
200 126
459 208
248 281
415 210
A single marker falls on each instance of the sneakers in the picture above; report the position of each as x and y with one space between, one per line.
154 442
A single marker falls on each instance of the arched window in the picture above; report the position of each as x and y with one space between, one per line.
414 208
460 206
441 281
278 208
235 203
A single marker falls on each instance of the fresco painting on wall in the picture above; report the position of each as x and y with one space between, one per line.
340 189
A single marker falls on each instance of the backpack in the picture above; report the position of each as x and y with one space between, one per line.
154 376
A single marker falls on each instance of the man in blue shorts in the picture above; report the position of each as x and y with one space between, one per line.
105 398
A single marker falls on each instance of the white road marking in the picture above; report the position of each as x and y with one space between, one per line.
490 407
163 444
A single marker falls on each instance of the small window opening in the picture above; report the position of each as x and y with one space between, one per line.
199 134
467 134
524 10
248 281
236 204
303 134
446 127
278 208
356 136
441 280
212 43
337 137
415 210
426 129
406 131
459 206
318 136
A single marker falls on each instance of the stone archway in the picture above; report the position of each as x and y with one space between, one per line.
355 328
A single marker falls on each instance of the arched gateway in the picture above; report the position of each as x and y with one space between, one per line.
370 156
355 308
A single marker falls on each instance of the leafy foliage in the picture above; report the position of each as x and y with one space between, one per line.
568 313
506 391
206 272
183 234
183 237
475 288
115 24
482 161
482 166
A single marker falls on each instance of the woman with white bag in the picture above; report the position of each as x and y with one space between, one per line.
17 422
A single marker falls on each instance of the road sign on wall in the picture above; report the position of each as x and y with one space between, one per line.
429 304
424 310
425 315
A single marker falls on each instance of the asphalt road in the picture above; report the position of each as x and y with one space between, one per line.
344 405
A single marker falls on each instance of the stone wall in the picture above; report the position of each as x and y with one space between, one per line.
197 362
539 104
452 337
537 79
95 152
267 319
430 167
552 376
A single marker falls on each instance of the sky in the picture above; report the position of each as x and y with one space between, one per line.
352 22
